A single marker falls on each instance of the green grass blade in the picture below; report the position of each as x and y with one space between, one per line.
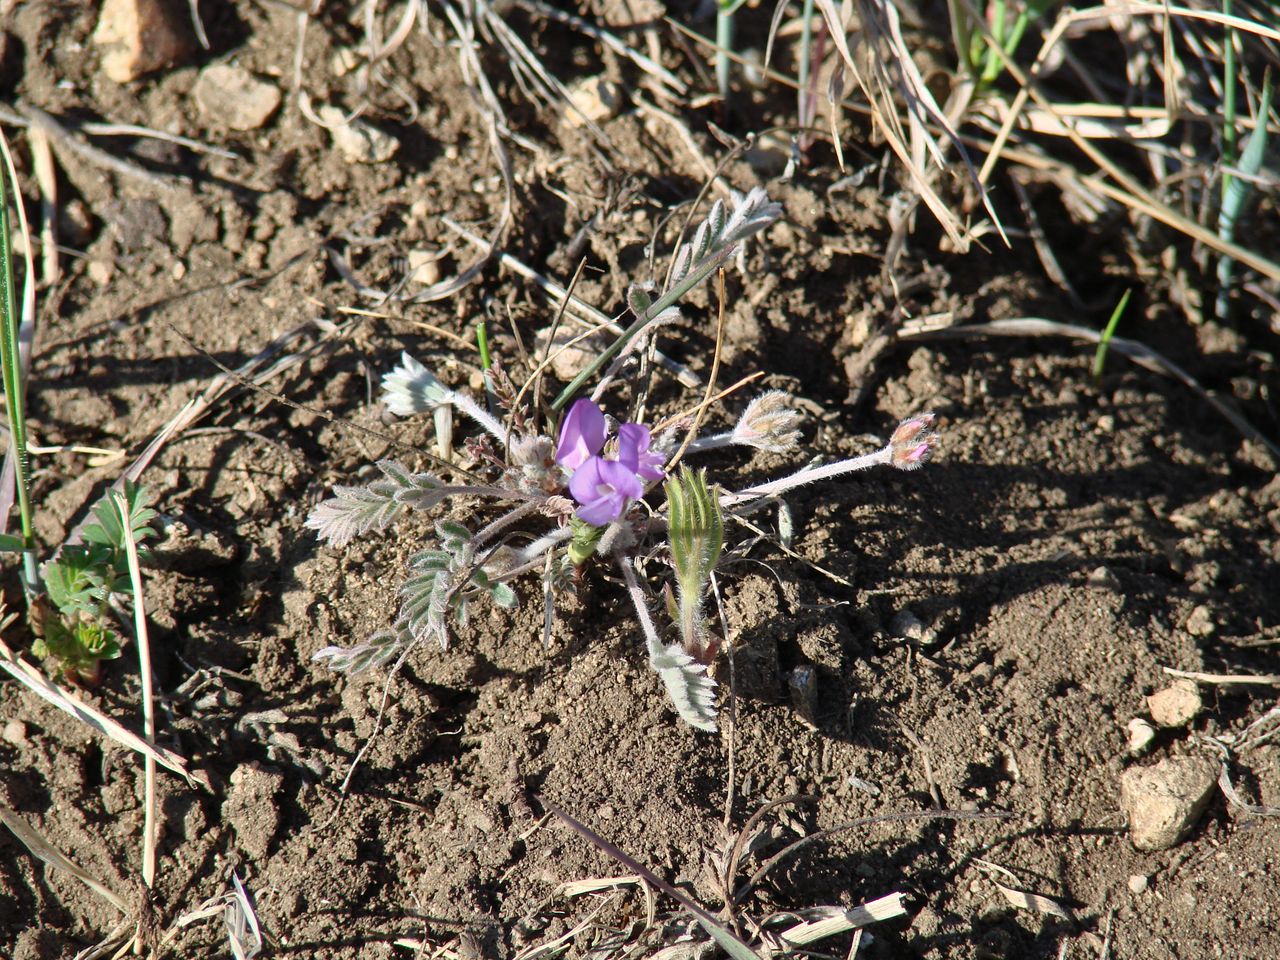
1100 355
11 364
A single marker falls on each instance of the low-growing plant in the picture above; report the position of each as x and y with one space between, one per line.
70 602
83 585
566 498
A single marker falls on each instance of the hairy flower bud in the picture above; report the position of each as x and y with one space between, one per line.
913 442
768 424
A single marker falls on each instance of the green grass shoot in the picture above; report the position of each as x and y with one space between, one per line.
1100 354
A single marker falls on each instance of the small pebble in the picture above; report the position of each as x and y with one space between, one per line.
1138 884
1176 705
138 37
357 141
101 271
595 99
802 684
1103 577
1141 733
905 625
1164 801
424 267
232 97
1200 623
15 732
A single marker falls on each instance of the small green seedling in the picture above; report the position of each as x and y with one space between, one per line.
72 623
977 53
1100 355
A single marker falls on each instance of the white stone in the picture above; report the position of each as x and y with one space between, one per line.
138 37
1163 802
424 267
232 97
1176 705
1141 733
358 141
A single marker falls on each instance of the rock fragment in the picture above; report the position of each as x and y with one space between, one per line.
232 97
1163 802
1200 623
138 37
356 140
1176 705
595 99
1141 733
1103 577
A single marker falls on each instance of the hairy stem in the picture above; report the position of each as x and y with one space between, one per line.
809 475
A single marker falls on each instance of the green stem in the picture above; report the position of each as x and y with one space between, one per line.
14 388
654 310
806 54
724 43
1229 99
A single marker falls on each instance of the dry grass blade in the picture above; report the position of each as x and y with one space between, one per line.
473 74
552 947
842 921
143 640
1034 902
894 73
581 312
725 937
35 680
904 817
1233 797
649 66
40 848
1260 679
1129 191
61 137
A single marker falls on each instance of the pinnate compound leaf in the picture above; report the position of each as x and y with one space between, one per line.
352 512
692 692
381 648
109 528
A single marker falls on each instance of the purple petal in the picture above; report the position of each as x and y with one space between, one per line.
604 488
586 480
581 434
633 450
602 511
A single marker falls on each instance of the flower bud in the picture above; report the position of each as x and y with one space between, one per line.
768 424
913 442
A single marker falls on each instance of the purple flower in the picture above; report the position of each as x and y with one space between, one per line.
604 488
633 450
581 435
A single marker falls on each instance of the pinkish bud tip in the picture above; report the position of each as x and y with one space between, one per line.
913 442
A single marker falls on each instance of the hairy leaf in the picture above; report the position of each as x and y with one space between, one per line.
692 692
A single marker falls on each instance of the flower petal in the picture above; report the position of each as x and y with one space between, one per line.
619 476
604 488
633 450
586 481
600 512
581 434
